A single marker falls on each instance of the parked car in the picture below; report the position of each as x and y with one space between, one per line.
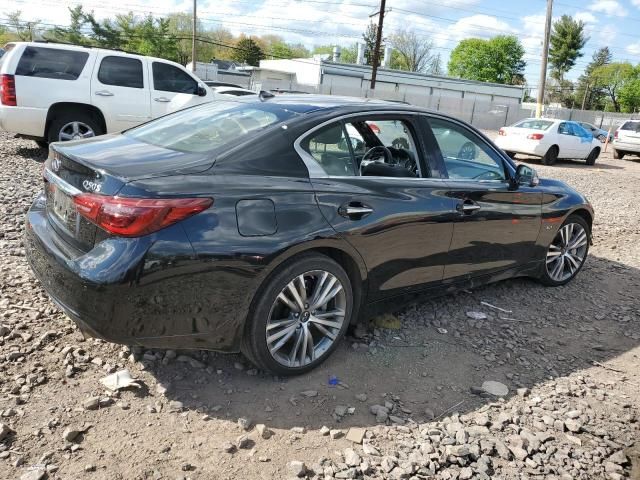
598 133
215 83
255 226
550 140
627 139
234 91
57 92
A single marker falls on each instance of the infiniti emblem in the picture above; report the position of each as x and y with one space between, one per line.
56 163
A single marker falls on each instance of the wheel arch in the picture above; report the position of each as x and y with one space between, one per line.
585 214
59 108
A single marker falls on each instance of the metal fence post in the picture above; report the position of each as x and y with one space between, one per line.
506 116
473 110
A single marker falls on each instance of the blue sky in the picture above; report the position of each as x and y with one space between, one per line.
613 23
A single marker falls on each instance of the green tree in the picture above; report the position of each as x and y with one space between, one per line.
369 37
566 43
498 60
73 33
25 31
589 95
247 51
612 78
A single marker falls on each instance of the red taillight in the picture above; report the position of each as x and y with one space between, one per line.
8 90
133 217
615 135
535 136
502 132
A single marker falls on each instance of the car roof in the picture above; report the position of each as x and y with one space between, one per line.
315 102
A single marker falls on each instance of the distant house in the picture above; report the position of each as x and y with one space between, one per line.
223 71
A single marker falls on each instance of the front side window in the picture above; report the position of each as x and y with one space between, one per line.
169 78
53 63
466 156
121 72
377 148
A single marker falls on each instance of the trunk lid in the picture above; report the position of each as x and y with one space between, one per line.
103 166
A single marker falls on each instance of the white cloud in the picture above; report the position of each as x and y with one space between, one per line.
633 48
586 17
611 8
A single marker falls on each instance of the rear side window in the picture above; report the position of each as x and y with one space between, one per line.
121 72
54 63
168 78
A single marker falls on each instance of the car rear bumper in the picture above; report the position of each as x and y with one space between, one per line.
626 146
521 145
23 120
113 292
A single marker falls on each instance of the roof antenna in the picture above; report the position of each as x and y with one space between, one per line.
264 95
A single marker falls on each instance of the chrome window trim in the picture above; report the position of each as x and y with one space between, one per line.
60 183
316 171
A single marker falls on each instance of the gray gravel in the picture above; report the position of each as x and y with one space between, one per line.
409 402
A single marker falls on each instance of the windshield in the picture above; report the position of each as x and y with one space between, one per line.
534 124
210 126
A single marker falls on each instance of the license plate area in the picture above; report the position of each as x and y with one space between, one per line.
61 205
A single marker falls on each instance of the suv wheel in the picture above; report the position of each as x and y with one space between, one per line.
73 126
299 317
617 154
567 252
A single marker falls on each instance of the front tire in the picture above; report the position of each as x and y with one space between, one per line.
299 316
617 154
551 156
73 125
593 156
567 252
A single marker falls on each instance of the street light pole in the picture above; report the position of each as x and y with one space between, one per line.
376 52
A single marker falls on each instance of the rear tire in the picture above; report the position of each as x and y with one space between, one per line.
572 242
593 156
551 156
269 313
73 125
617 154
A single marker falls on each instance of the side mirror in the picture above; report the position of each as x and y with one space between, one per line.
525 175
201 91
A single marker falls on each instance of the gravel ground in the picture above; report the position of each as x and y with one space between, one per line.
405 398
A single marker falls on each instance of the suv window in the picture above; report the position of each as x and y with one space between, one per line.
632 126
121 72
44 62
172 79
379 148
466 156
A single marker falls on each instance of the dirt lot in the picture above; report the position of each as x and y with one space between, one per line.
569 356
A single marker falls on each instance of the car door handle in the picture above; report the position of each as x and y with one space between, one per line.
468 206
355 210
162 99
104 93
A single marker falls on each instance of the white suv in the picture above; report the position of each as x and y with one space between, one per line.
56 92
627 139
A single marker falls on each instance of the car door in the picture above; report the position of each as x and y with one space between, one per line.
568 142
496 226
120 89
584 138
396 216
173 89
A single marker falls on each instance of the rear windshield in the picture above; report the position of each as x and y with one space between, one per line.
45 62
534 124
633 126
210 126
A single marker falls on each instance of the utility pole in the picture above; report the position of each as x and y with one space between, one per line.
193 37
584 98
376 52
545 56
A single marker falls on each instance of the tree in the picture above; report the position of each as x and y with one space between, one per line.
247 51
612 78
498 60
415 53
73 33
589 95
25 31
369 37
566 43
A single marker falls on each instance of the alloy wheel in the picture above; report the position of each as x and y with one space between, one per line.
306 318
567 252
75 131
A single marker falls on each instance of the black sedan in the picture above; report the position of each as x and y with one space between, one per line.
269 226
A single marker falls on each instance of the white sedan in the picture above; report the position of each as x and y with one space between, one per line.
550 140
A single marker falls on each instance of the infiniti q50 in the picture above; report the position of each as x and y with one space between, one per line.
269 226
